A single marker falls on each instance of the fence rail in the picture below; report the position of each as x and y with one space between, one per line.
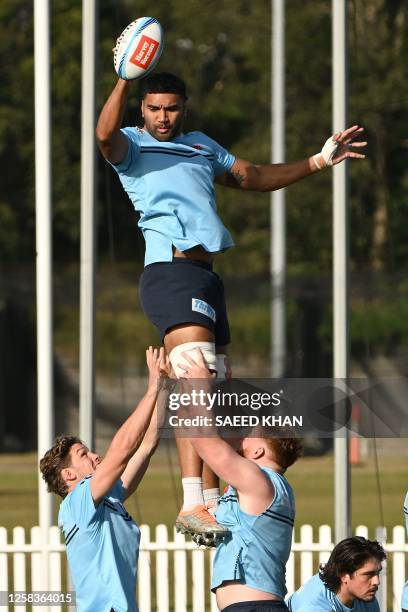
174 572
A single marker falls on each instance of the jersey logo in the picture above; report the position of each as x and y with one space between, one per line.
203 308
206 151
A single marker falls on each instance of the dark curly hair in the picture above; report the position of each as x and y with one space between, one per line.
54 461
163 82
347 557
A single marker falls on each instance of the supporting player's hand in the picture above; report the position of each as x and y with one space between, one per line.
158 365
197 367
338 147
166 371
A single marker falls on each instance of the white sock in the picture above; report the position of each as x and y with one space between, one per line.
192 492
211 497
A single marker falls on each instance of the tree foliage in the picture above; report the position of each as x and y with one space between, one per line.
222 49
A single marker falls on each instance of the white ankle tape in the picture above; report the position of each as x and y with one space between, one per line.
207 349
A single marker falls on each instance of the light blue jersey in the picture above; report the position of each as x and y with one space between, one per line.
102 548
171 185
259 547
404 603
314 596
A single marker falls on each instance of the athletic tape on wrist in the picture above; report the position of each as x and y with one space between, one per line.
328 151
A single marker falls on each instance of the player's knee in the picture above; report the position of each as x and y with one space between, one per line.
207 348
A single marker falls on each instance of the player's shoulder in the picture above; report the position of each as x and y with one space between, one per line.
366 606
196 138
283 489
81 490
314 595
134 134
70 501
64 511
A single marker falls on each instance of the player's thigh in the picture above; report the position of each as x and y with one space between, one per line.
178 298
186 332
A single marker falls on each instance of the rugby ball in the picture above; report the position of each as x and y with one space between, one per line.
138 48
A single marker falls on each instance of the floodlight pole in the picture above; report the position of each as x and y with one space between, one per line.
340 265
278 212
45 395
87 268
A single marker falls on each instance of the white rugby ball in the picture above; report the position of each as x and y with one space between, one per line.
138 48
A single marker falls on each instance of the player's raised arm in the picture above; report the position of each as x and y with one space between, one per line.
270 177
255 490
112 143
130 436
138 464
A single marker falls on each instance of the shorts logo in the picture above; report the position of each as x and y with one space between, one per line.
203 308
144 52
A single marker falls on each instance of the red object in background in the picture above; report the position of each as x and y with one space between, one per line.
354 446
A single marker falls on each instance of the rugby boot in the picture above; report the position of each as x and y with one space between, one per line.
201 526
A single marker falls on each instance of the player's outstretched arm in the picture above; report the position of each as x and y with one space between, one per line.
130 436
270 177
255 490
138 464
112 143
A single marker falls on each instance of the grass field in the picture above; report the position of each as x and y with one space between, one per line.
377 497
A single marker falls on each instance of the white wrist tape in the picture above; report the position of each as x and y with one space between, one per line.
214 362
328 152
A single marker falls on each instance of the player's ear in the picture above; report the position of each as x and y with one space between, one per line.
259 452
68 474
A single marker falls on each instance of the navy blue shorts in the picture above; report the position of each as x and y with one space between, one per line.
263 605
184 291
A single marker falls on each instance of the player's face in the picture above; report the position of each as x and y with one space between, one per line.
363 583
83 461
163 115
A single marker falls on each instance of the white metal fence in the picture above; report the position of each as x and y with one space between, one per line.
174 574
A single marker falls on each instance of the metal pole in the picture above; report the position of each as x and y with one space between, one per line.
278 216
87 272
340 265
45 410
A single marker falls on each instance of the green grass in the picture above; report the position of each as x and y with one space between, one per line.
313 482
157 499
